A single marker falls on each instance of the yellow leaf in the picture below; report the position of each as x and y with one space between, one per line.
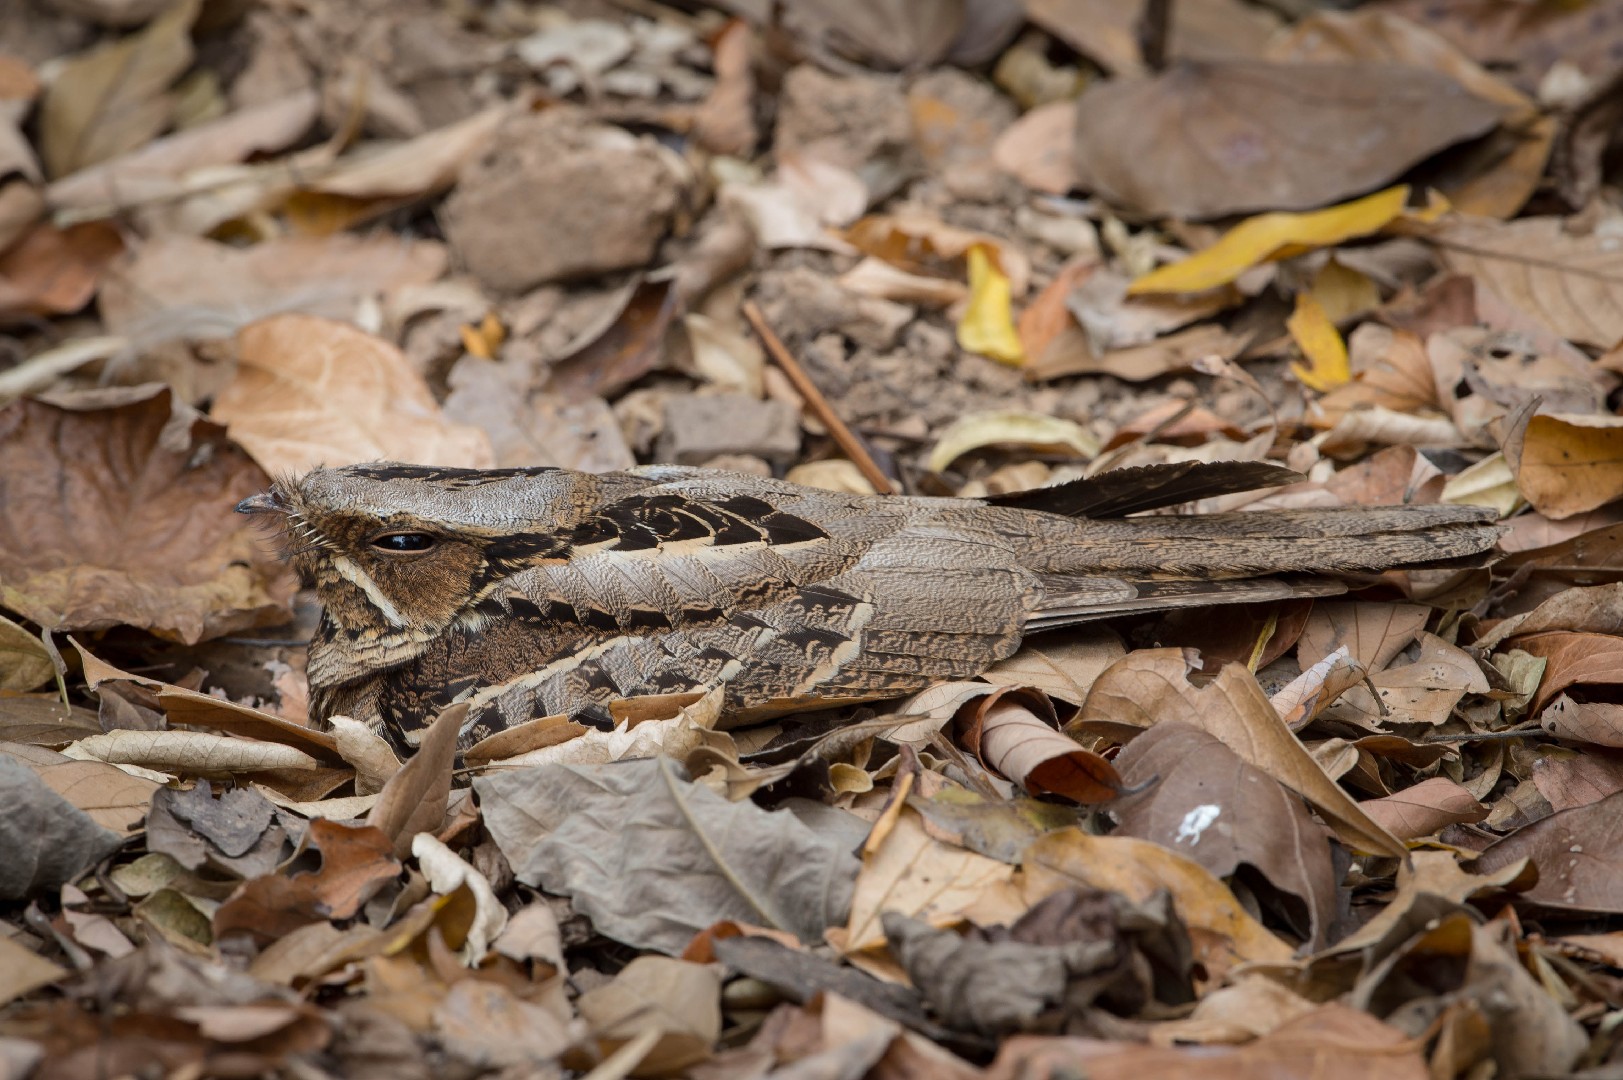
1345 292
1274 236
1317 337
483 340
988 323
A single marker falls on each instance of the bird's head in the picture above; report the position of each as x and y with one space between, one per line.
397 552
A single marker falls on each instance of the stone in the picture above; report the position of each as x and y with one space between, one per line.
702 427
858 122
559 197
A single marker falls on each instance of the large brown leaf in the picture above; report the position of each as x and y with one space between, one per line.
1207 804
1206 139
119 512
1577 853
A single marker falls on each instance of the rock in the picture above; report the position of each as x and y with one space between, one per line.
858 122
801 304
558 197
957 119
702 427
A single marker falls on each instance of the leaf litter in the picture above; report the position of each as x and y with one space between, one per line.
1004 245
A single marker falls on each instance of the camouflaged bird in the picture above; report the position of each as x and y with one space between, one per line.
531 592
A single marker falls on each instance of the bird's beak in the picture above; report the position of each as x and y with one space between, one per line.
265 502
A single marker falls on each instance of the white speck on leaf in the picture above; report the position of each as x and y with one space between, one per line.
1196 822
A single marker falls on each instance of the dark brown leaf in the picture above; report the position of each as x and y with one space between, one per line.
1211 807
119 512
1226 137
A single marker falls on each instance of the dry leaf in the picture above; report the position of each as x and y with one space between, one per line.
725 122
1151 685
652 858
920 243
153 171
1061 667
987 326
1327 365
52 271
112 797
1224 934
24 972
875 277
1014 741
425 165
414 799
310 391
625 350
1567 464
1576 852
195 709
1211 807
1031 431
1274 236
24 662
1317 688
1070 353
1037 148
1108 33
906 870
192 753
1572 284
1331 1041
181 287
116 97
1226 137
1495 178
93 488
1425 808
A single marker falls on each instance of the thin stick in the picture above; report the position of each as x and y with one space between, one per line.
848 440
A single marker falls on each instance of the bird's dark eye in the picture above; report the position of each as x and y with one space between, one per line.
404 542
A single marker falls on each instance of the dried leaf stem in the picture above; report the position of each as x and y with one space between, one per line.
849 441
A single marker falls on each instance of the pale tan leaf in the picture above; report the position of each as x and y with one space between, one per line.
188 752
24 663
23 970
425 165
876 277
369 752
1373 633
1063 668
310 391
1028 430
1569 464
115 97
906 870
1573 284
1317 687
184 287
114 799
153 171
1226 934
445 871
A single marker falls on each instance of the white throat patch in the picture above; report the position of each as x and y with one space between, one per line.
357 577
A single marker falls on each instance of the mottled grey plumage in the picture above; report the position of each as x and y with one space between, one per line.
539 591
